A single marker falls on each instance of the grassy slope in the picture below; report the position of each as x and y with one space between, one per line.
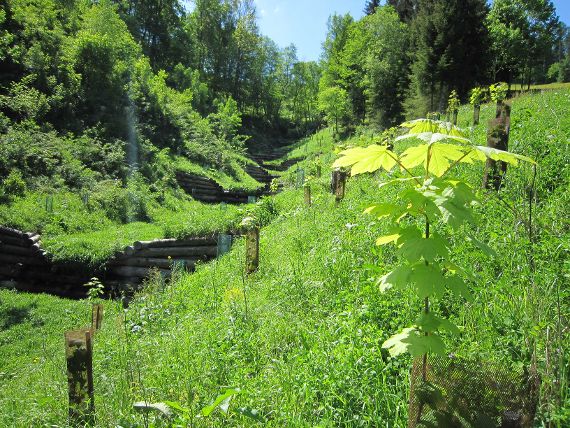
302 336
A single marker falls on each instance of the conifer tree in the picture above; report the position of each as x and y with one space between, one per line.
371 6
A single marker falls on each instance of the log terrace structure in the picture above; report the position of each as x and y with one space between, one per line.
24 266
135 262
206 190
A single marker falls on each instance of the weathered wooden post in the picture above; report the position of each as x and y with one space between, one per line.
476 114
497 138
79 356
252 249
338 184
300 177
224 244
96 317
319 171
308 201
454 117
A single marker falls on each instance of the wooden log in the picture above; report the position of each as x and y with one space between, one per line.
185 242
8 231
42 275
129 251
10 270
30 251
135 272
15 241
211 192
25 260
199 184
198 180
79 357
178 252
149 263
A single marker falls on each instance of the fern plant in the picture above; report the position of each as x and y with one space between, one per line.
430 201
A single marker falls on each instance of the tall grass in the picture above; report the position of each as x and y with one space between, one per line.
302 336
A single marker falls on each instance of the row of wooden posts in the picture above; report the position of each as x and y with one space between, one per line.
79 343
338 186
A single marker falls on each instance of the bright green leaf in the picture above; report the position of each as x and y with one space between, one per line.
417 248
367 159
398 278
383 240
428 279
222 402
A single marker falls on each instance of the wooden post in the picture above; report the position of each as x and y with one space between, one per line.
308 201
79 356
96 317
224 244
476 114
252 250
497 138
454 117
338 184
319 171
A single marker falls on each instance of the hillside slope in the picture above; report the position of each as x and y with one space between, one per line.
302 336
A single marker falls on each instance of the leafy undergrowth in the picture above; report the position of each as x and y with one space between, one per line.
302 337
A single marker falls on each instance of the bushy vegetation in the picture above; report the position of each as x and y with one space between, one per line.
405 57
302 337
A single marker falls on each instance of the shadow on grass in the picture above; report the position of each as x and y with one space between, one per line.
10 317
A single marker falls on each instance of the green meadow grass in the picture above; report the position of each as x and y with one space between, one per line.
302 336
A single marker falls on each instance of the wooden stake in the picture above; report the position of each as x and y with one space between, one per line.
497 138
252 250
338 184
319 171
476 114
79 356
96 317
308 201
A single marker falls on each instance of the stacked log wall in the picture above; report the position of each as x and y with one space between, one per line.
26 267
136 261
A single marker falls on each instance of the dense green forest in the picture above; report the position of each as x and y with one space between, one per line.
107 106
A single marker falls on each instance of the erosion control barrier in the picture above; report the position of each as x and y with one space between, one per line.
135 262
26 267
206 190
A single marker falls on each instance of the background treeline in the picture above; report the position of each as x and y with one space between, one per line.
90 89
405 57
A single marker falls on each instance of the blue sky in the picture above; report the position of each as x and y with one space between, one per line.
304 22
